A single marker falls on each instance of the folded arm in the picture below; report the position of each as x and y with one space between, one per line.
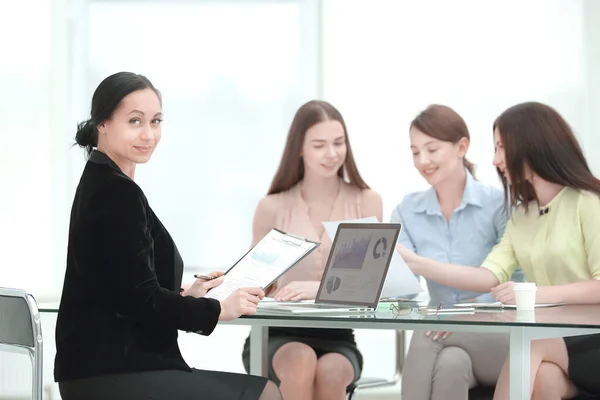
585 292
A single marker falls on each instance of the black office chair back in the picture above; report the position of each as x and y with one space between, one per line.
16 326
21 332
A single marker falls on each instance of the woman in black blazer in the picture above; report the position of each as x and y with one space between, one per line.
121 306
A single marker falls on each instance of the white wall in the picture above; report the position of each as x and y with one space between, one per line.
591 31
232 75
385 61
33 170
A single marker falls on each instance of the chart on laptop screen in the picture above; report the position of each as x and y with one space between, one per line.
357 265
352 254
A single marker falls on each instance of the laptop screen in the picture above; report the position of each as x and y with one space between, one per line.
358 264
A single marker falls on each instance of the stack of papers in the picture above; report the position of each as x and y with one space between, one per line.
499 305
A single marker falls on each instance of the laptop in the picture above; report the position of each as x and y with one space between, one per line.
354 274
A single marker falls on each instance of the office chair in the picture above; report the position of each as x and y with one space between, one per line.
366 383
21 331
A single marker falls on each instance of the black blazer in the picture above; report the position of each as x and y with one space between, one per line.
121 307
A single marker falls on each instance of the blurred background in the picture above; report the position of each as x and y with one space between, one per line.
233 73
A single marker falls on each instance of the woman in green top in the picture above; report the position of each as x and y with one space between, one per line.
553 234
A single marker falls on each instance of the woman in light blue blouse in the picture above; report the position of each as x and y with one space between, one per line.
457 221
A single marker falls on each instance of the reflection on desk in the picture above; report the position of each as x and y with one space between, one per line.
568 316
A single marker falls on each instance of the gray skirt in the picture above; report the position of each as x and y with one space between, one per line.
165 385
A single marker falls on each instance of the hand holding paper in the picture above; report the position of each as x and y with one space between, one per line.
262 265
201 286
240 302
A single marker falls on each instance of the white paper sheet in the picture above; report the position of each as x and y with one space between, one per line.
400 280
499 305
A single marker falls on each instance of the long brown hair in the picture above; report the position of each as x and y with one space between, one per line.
537 136
443 123
291 167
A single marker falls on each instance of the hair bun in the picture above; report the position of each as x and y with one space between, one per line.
86 135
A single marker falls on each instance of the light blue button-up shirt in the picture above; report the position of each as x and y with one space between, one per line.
475 227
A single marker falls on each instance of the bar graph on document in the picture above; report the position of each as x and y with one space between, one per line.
271 254
264 257
352 254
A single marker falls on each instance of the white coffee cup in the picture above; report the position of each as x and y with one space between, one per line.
525 316
525 295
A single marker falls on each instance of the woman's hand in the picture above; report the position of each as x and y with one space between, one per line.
297 290
201 286
241 302
410 258
505 293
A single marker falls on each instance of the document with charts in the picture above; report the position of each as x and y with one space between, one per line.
264 263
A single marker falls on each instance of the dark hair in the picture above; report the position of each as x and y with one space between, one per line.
291 167
537 136
443 123
107 97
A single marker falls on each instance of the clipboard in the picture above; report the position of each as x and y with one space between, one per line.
264 263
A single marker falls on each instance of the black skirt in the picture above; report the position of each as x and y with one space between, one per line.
165 385
584 363
322 341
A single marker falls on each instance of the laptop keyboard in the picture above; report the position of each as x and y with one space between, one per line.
321 305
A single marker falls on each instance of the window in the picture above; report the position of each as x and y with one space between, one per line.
476 57
26 204
232 75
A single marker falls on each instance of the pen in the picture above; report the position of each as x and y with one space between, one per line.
439 307
205 277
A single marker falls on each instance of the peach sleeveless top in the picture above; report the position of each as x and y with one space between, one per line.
292 216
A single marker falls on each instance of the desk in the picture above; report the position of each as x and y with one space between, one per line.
544 323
